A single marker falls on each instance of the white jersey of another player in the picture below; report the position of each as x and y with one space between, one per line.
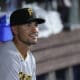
13 66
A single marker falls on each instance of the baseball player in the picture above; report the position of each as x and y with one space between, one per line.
16 60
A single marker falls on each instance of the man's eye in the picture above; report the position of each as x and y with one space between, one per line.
36 24
29 25
32 24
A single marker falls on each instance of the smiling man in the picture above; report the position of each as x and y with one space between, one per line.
16 60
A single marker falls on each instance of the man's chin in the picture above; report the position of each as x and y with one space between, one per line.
34 42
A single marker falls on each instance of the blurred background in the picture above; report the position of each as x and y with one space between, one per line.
57 52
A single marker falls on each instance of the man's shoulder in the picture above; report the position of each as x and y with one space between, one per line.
4 49
6 45
8 53
7 49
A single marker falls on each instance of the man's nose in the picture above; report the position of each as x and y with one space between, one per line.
35 29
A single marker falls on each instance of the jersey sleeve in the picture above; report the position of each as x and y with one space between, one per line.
8 69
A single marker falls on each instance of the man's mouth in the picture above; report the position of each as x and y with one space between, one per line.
35 35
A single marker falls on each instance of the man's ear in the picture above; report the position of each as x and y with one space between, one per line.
14 29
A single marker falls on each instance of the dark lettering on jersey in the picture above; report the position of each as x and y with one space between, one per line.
23 76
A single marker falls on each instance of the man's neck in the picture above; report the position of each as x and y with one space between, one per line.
23 48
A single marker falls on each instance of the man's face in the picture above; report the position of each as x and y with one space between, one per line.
27 33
